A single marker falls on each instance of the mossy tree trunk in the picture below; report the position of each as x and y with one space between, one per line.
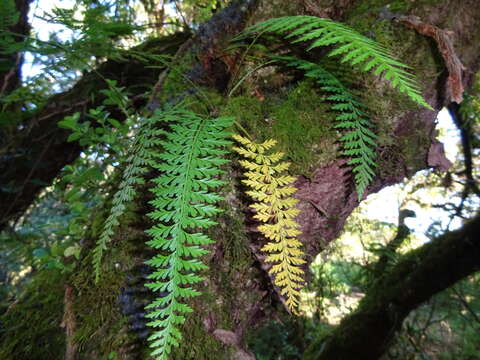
238 293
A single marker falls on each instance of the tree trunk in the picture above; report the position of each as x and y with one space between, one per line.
238 293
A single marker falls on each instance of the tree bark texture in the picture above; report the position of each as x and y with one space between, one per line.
238 293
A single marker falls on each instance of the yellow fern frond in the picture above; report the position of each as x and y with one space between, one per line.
242 140
275 157
275 208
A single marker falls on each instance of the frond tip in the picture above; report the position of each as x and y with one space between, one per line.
275 208
351 46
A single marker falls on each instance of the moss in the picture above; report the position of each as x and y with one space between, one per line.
199 344
231 263
299 120
30 329
99 325
410 145
102 328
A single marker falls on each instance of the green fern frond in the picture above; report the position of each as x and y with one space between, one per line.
275 208
352 47
139 161
184 202
359 140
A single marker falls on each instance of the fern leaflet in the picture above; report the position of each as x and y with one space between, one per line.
183 202
359 141
353 48
275 208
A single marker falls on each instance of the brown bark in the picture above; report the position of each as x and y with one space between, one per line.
70 324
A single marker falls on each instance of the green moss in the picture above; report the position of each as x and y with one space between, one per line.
199 343
102 328
176 82
299 120
30 329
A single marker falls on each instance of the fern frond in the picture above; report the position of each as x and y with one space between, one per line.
139 160
358 141
352 47
183 204
276 210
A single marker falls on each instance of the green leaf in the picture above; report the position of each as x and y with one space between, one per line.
70 122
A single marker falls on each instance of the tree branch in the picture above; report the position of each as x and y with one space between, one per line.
10 78
465 135
418 276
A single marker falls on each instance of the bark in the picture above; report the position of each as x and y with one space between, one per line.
69 324
238 293
418 276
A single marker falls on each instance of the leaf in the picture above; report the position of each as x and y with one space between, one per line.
70 122
352 47
40 253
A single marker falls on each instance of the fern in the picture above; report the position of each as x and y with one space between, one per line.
183 202
275 208
139 161
353 48
359 141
